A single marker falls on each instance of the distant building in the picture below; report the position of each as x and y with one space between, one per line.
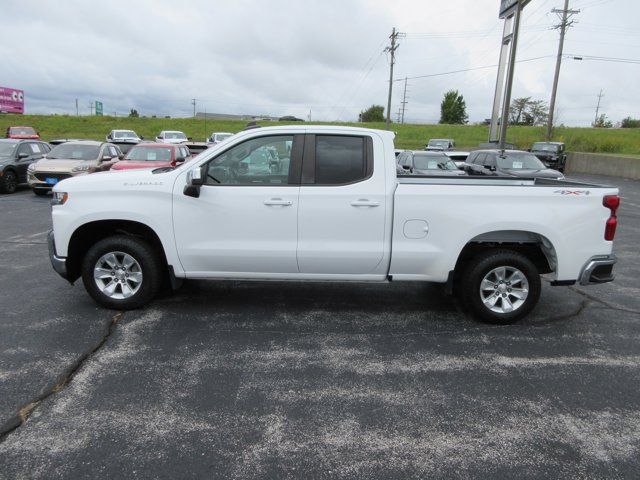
229 116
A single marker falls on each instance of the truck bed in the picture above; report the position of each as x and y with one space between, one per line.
493 181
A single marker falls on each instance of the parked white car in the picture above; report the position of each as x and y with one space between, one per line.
171 136
123 136
330 208
217 137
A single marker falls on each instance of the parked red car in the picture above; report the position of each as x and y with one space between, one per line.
23 133
153 155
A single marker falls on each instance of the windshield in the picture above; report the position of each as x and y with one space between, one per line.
516 161
124 134
22 131
433 163
175 135
149 154
6 149
438 143
74 151
545 147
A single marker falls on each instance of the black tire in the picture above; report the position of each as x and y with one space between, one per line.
8 182
41 192
148 260
479 267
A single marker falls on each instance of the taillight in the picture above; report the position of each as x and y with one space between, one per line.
612 202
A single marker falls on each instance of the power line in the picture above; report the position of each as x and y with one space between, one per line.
469 69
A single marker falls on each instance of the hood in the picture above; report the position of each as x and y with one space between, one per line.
173 140
60 165
115 180
544 173
132 164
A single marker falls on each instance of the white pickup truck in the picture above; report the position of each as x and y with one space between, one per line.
324 203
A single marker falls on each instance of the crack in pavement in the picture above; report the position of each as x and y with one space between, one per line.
603 302
25 412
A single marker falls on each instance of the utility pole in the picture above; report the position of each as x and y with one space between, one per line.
565 22
91 108
404 100
392 50
193 102
399 114
600 95
77 109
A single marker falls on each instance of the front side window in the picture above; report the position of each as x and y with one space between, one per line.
259 161
339 159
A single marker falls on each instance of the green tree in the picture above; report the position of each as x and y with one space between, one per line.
630 123
525 111
375 113
134 113
602 122
453 109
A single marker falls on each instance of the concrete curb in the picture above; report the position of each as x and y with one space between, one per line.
599 164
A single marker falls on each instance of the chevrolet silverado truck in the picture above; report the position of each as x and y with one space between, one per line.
324 203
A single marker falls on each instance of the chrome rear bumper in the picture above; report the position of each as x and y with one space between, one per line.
598 269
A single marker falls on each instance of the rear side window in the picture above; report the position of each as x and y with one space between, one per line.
339 159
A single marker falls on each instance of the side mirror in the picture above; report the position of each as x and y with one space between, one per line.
106 158
23 155
492 168
141 138
180 159
528 149
195 179
190 139
406 167
121 156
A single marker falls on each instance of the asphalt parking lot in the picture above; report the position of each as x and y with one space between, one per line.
284 380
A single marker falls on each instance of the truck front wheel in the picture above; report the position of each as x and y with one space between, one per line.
500 286
122 272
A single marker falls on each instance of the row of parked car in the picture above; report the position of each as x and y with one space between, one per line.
24 158
440 159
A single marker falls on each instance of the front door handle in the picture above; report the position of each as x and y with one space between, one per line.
363 202
278 201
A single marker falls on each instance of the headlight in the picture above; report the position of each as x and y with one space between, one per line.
32 167
59 198
83 167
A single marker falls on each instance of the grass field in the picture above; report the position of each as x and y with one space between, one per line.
614 141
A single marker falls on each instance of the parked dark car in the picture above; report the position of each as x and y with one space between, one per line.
428 163
508 163
552 154
459 158
15 158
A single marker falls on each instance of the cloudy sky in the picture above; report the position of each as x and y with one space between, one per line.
285 57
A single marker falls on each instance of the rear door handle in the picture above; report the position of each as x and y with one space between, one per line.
363 202
278 201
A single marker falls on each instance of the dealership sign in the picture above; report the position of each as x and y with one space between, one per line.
11 100
508 6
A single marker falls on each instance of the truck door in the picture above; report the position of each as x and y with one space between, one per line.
341 218
245 219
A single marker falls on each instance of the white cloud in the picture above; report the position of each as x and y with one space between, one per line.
284 56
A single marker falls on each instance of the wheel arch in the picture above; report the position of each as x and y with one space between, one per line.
89 233
535 246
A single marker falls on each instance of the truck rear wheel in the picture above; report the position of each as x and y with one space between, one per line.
122 272
500 286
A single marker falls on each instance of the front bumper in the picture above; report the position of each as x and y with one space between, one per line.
598 269
59 264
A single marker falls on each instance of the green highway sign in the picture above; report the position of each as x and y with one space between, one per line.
98 108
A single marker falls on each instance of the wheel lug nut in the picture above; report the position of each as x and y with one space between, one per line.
504 294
